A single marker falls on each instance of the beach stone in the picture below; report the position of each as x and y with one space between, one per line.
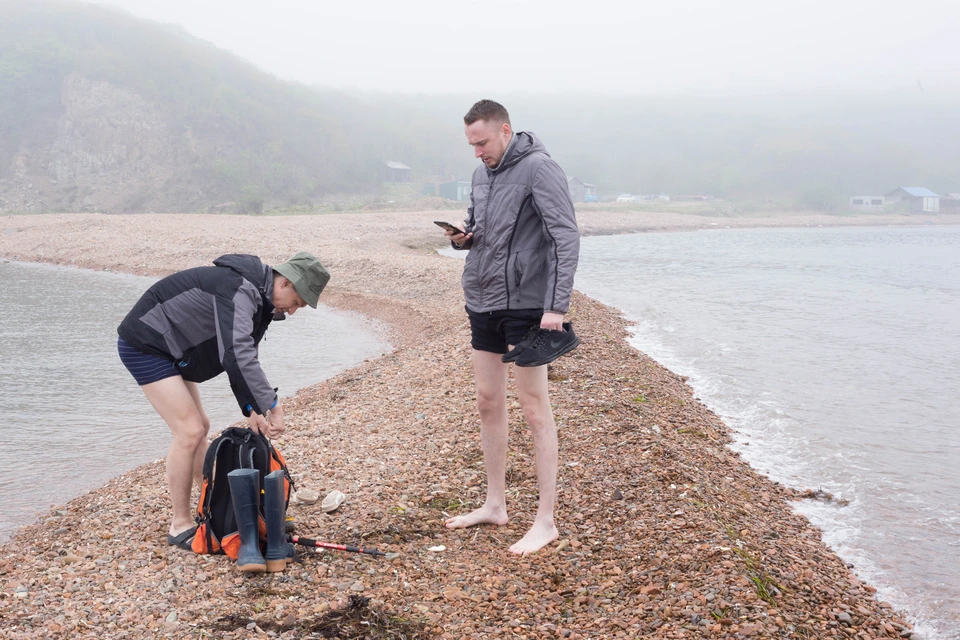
844 618
357 586
172 617
333 501
304 496
617 495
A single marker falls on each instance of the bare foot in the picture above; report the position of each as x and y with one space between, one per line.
539 536
483 515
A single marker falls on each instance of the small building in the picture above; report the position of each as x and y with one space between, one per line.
458 190
393 171
867 204
950 203
921 200
581 191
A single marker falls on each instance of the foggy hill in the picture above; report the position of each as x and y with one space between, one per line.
810 149
102 111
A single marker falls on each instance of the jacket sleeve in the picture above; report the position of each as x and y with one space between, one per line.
468 223
552 198
235 309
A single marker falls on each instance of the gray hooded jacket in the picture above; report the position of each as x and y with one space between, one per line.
209 320
525 244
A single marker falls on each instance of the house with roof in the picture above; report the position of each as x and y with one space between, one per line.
950 202
393 171
921 199
581 191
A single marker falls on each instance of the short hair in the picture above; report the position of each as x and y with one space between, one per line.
487 110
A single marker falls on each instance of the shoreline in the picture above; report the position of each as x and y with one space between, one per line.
699 543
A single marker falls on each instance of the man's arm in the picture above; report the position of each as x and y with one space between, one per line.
238 352
552 198
464 241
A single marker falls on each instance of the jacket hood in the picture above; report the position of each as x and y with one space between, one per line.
253 269
523 144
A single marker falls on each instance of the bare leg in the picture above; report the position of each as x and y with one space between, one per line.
490 375
201 451
535 403
173 401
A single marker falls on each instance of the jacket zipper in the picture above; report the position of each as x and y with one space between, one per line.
486 212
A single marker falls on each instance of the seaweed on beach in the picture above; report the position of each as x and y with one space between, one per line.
822 496
354 621
359 620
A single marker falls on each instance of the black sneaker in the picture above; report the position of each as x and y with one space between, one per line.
525 342
548 346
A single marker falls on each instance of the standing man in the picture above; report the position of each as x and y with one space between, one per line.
192 326
524 245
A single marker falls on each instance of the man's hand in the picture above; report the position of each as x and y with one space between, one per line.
457 238
258 423
552 321
275 417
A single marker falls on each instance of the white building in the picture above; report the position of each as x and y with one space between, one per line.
867 203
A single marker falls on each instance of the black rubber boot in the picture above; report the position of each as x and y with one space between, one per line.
245 490
275 511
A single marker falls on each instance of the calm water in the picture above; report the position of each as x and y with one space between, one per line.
74 416
835 355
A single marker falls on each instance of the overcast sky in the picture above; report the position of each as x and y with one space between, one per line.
591 45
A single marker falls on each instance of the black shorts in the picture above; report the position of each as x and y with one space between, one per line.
494 330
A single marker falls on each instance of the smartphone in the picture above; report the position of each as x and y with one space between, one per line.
448 226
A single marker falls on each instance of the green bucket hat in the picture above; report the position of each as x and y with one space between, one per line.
308 276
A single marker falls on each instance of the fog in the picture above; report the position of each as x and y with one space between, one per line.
744 47
777 107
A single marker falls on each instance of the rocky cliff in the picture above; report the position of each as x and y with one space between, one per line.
110 150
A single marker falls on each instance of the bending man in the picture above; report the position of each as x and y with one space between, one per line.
193 325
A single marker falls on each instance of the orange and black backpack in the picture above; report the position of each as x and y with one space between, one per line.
235 448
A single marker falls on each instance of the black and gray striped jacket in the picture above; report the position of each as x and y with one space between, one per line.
209 320
526 244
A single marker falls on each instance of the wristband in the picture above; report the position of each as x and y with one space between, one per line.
273 406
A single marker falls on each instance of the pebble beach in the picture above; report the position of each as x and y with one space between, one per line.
664 531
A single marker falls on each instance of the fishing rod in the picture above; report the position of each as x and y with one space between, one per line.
308 542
